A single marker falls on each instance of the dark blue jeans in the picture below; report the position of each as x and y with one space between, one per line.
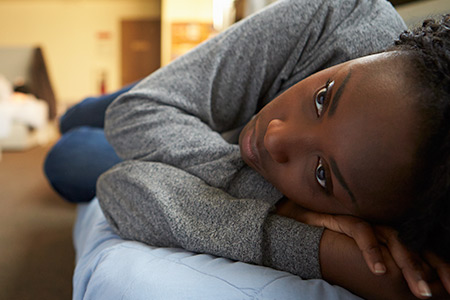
82 154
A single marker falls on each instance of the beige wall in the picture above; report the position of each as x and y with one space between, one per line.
68 32
415 12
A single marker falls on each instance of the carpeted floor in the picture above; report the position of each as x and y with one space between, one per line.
36 252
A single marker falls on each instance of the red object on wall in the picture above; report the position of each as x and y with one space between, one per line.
103 83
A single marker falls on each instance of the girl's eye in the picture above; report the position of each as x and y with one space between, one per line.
320 100
321 175
321 97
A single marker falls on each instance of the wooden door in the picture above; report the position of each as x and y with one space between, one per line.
141 48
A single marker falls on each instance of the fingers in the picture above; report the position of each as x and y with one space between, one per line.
367 242
364 236
441 267
409 263
374 260
362 232
414 275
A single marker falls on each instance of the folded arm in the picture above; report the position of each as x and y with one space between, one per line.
163 206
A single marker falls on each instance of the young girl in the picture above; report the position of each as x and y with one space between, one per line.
349 140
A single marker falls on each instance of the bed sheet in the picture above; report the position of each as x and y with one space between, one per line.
108 267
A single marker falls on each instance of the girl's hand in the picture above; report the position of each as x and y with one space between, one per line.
360 231
415 268
442 268
368 238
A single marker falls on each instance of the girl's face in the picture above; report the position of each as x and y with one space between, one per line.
342 141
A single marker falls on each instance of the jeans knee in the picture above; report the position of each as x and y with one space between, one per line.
75 162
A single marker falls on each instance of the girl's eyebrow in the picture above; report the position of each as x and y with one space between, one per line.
341 180
337 95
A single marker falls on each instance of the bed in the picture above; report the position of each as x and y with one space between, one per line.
108 267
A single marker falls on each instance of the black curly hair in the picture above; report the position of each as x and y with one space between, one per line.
426 225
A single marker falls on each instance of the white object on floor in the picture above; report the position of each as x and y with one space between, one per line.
24 122
22 137
6 114
6 89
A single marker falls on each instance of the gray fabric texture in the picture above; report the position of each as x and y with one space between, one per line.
182 183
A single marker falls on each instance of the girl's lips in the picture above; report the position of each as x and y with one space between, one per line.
249 148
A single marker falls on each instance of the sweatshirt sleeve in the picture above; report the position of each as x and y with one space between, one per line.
168 207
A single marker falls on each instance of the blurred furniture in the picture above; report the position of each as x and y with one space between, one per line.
27 64
26 115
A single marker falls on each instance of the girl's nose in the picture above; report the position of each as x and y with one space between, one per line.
287 140
276 140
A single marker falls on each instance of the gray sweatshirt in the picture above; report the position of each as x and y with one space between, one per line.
183 184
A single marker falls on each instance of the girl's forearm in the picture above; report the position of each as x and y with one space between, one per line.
342 264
